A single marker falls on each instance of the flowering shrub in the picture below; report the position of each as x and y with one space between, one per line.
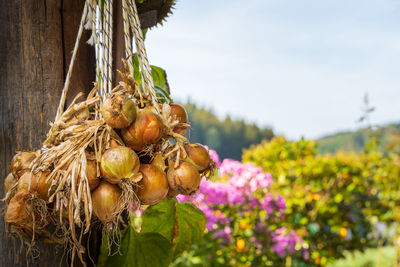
332 201
243 220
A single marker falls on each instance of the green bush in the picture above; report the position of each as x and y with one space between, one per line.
333 201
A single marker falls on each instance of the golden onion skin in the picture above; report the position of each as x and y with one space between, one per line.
9 182
17 211
21 163
35 185
91 174
154 185
119 163
119 111
106 201
147 129
199 155
185 179
179 113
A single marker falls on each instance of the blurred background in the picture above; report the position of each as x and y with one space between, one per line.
292 68
303 94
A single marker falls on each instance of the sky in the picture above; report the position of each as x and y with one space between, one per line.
300 67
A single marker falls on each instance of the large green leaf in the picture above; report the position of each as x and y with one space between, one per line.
159 79
158 75
182 223
137 250
191 223
160 218
160 84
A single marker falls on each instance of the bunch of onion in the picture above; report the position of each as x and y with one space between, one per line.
133 152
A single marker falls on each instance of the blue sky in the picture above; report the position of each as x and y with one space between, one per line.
301 67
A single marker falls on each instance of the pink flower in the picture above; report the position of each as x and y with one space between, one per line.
285 242
214 156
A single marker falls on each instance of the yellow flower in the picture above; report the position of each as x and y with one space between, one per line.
240 243
342 232
244 224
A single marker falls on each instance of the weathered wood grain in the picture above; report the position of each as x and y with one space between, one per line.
36 43
35 46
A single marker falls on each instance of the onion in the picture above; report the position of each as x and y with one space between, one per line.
106 201
179 113
37 182
154 185
119 163
21 163
17 210
147 129
91 174
184 180
198 155
20 213
119 111
9 182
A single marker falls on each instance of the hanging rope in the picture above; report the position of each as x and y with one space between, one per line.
64 92
102 32
109 35
148 83
127 37
95 38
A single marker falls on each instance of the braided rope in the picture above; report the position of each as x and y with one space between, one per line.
102 35
127 37
64 92
96 37
148 83
102 55
109 35
105 31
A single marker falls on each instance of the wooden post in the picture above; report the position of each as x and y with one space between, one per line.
36 43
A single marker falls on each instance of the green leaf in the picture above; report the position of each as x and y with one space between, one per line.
160 84
136 70
137 249
160 218
159 79
191 223
182 223
162 95
158 75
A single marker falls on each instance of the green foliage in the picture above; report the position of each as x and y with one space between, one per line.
191 223
137 249
380 257
159 78
167 229
355 141
332 200
160 84
228 137
181 223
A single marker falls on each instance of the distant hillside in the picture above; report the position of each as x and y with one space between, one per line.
227 136
387 135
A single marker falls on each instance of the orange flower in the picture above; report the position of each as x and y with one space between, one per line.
316 196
